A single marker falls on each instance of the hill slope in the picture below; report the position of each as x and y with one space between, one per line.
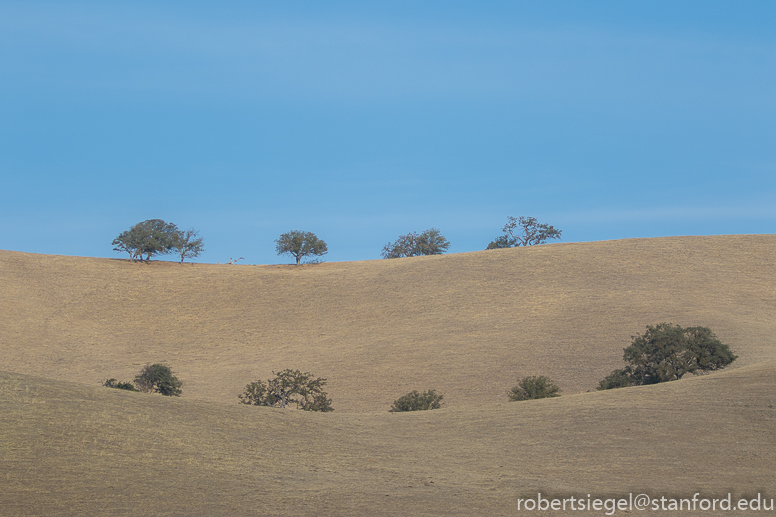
468 325
72 449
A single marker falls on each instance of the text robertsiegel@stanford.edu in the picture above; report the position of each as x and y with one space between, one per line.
611 505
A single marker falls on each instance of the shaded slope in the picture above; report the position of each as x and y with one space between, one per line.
468 325
71 449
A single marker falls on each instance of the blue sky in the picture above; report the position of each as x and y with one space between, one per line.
363 122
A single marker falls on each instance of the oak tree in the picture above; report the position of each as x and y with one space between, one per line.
666 352
524 231
187 244
430 242
158 378
288 387
300 244
150 237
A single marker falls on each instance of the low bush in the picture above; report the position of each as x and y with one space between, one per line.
530 388
414 401
113 383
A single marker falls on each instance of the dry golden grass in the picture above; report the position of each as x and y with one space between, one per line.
468 325
72 449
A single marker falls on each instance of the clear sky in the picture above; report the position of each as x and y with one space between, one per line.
361 121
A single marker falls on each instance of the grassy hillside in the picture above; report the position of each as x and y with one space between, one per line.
72 449
468 325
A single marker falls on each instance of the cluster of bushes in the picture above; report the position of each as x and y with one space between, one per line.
156 237
526 389
665 352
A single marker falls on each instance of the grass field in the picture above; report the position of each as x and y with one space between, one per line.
468 325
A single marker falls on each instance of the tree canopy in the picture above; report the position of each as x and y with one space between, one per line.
666 352
524 231
158 378
300 244
430 242
157 237
289 387
187 244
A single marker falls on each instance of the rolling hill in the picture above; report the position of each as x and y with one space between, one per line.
468 325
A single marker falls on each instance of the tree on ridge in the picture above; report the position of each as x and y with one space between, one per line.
300 244
430 242
524 231
157 237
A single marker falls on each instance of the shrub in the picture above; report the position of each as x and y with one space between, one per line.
530 388
414 401
158 378
113 383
